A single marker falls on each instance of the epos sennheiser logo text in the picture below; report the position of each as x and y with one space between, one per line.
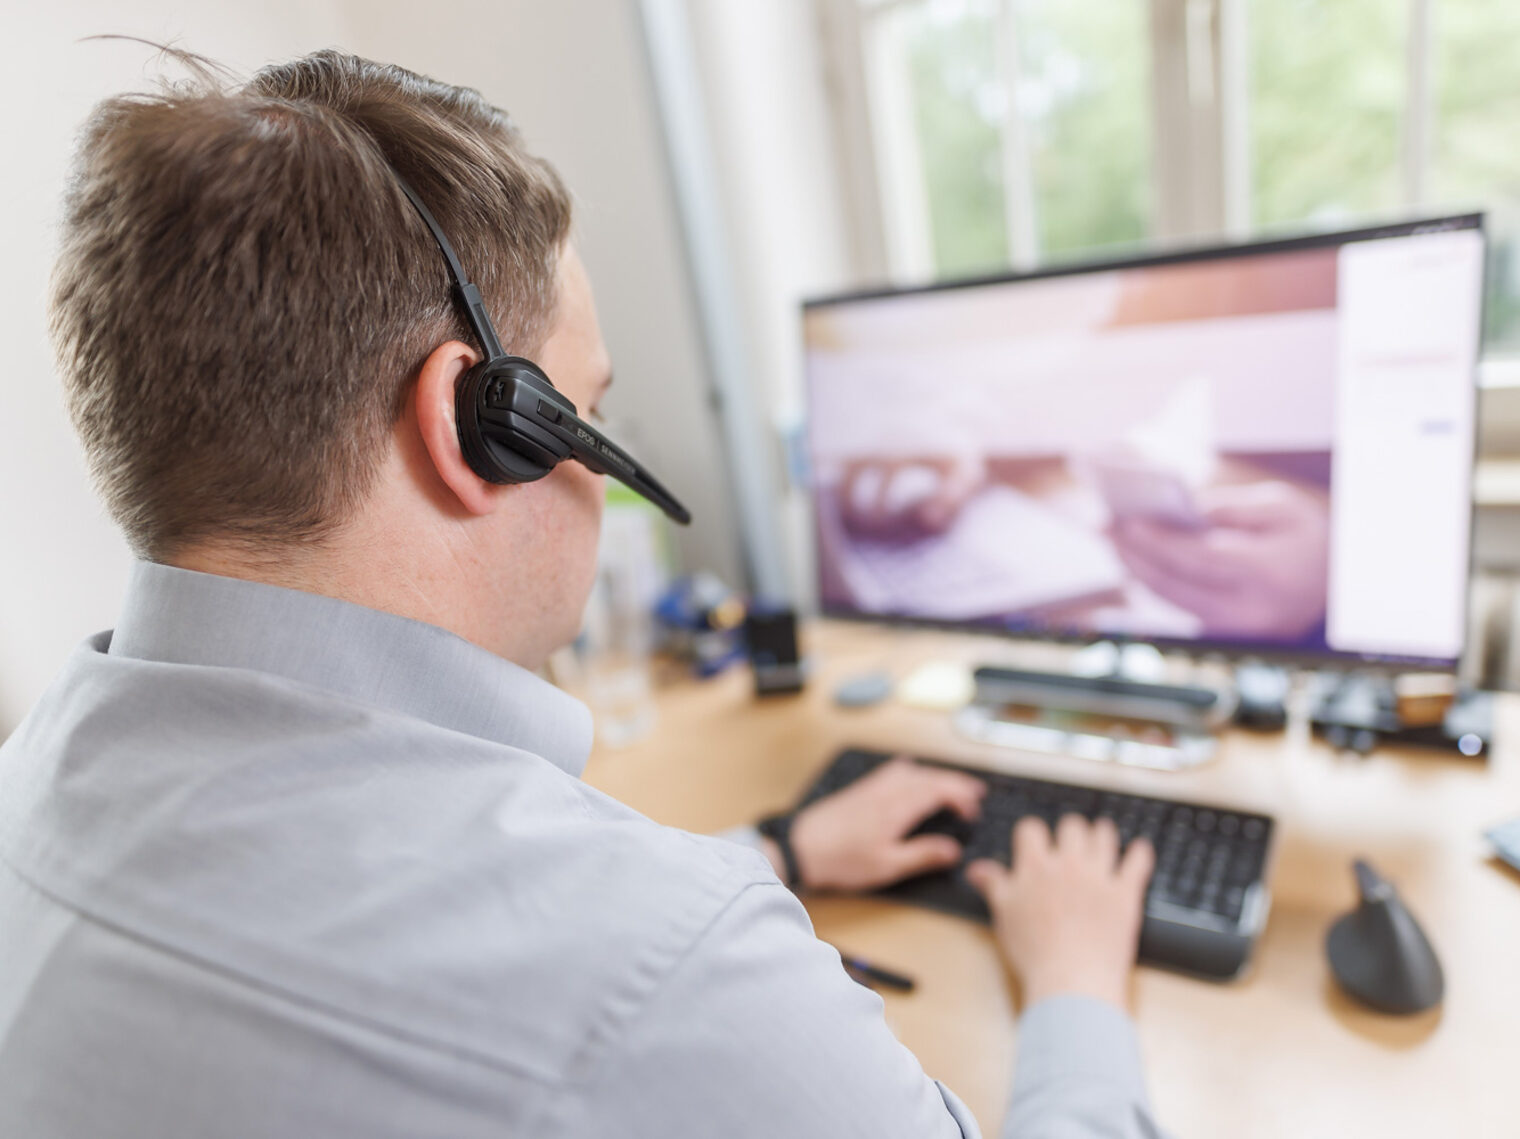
603 449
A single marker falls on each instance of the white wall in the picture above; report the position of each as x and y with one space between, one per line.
61 562
575 81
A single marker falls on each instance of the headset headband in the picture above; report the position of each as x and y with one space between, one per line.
469 295
582 441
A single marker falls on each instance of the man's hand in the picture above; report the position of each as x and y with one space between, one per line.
856 838
1067 915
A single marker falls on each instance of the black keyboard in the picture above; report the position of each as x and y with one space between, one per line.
1206 902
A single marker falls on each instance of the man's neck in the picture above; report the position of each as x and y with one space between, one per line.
387 573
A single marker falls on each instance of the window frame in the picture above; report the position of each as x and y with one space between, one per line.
1200 130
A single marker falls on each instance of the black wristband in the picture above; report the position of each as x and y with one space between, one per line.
778 828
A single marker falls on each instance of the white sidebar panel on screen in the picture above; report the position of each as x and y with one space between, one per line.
1404 421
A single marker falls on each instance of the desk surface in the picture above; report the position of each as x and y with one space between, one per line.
1278 1053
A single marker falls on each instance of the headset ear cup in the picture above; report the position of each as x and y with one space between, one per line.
492 458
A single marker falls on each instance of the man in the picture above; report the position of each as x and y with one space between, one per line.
299 848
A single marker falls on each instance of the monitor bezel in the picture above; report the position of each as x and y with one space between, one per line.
1195 647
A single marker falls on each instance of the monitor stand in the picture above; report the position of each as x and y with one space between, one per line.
1115 717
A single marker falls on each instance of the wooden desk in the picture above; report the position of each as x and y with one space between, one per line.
1279 1053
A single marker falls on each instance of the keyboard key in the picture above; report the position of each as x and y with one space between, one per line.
1234 899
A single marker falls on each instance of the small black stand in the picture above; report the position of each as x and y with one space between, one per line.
770 636
1359 711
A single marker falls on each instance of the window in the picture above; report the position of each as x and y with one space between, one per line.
1475 146
1011 132
1327 95
1083 87
1028 125
956 93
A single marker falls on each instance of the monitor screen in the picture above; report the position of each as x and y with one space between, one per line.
1254 449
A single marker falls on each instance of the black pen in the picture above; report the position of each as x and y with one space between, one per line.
868 972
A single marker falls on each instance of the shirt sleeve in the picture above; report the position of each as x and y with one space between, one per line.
1078 1074
745 835
774 1038
768 1036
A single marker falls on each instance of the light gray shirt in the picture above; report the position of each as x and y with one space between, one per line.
274 865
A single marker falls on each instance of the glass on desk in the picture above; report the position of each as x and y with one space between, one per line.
617 634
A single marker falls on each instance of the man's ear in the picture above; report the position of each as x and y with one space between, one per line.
434 395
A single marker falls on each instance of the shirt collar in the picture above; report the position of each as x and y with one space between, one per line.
179 616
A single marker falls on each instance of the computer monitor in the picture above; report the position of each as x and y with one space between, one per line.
1256 449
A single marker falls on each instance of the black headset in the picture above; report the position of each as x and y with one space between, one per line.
514 425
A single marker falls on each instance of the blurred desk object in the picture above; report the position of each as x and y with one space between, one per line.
1278 1053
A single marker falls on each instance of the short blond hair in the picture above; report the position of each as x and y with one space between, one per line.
243 295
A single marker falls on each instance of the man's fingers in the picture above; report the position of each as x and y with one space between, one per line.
1105 842
1073 834
1138 862
924 853
1031 840
920 791
985 874
962 793
897 772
